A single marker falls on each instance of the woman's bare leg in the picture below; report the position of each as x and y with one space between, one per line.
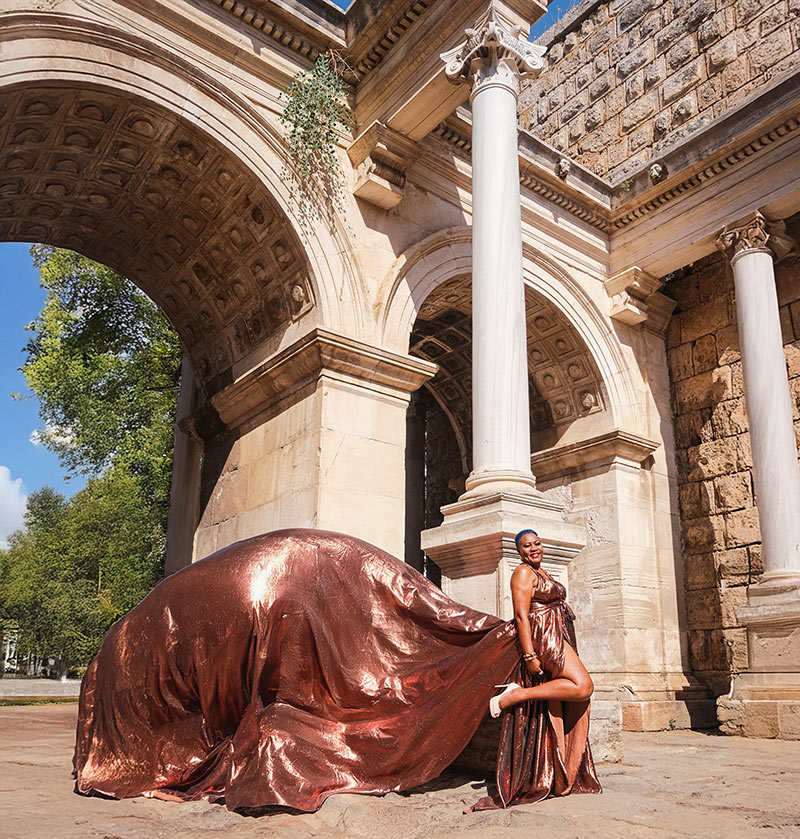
573 685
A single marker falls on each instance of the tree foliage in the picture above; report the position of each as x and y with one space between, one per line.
104 364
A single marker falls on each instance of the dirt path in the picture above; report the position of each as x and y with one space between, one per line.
671 784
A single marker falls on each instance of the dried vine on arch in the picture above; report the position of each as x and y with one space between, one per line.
315 113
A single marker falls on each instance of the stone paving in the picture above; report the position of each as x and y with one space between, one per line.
670 784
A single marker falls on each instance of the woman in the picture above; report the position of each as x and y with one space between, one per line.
544 747
284 669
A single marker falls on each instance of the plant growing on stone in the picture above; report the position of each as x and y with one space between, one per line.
316 111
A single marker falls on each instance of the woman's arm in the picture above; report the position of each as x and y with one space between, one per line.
522 583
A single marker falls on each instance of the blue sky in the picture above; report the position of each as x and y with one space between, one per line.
25 466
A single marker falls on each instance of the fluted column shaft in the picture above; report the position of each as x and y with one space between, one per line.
752 248
500 411
492 60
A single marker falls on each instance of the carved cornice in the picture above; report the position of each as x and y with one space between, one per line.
384 42
270 27
733 158
576 208
489 48
529 179
755 234
614 447
594 213
320 352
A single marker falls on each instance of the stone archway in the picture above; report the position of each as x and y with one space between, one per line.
141 189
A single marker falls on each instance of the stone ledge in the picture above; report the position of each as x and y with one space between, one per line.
618 446
669 714
319 351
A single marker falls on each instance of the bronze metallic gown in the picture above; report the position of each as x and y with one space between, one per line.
284 669
544 746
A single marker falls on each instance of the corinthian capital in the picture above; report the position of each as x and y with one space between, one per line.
755 234
493 45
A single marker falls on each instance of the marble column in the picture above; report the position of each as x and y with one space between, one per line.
491 60
474 545
764 700
752 247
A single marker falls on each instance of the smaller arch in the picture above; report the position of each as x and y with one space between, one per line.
448 254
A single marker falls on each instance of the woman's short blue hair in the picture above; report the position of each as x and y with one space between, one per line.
518 537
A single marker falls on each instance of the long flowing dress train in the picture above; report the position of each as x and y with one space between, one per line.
284 669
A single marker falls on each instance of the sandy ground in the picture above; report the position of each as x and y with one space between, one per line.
671 784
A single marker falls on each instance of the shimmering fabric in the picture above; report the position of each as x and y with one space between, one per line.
284 669
544 747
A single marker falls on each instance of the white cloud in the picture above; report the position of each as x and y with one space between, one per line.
51 433
12 505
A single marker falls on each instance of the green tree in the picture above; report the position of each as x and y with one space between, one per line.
104 364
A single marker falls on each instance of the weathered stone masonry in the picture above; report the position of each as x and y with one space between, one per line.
719 519
627 81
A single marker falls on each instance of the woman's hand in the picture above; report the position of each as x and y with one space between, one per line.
534 666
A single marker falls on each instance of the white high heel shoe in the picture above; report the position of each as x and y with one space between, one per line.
494 702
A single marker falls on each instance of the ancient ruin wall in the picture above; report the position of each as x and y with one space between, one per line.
719 519
629 79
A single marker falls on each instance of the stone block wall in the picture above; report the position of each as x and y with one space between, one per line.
719 517
628 79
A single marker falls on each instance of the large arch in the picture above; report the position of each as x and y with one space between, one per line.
115 147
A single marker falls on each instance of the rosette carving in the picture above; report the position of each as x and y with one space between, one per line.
756 234
491 47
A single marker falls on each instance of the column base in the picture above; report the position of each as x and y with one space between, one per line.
474 545
764 700
507 480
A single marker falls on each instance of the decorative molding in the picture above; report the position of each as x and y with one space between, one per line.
278 32
319 352
492 49
733 158
755 233
635 299
580 210
614 447
529 180
387 40
597 212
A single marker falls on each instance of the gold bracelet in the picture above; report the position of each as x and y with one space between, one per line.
529 656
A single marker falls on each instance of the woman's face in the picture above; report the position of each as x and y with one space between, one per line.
530 548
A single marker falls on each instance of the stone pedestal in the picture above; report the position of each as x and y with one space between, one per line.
764 700
475 549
